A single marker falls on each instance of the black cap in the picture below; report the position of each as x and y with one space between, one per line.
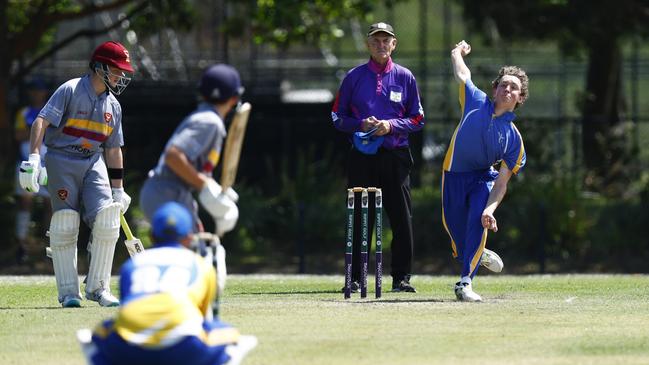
381 27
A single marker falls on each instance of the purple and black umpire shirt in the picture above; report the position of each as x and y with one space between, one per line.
388 93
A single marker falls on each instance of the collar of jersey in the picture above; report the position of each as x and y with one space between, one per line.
505 117
207 106
376 68
90 90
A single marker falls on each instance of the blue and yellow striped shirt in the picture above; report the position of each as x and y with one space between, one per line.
481 140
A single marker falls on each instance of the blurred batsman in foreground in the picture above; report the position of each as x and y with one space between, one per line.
380 98
192 153
471 188
81 122
166 294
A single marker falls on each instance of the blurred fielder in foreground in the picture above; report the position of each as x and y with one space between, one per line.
164 318
192 153
471 188
81 121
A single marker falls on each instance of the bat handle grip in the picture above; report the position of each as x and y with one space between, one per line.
125 227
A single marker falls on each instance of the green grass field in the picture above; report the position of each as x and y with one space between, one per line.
559 319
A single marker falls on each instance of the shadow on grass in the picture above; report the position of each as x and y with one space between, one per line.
392 301
291 292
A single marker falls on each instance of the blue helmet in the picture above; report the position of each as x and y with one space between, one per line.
219 83
171 222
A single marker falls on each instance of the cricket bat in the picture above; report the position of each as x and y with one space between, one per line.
233 144
133 244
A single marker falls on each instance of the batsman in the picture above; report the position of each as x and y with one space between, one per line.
193 151
80 122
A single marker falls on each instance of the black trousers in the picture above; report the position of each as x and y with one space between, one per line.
390 171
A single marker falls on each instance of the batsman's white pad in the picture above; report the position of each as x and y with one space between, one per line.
105 232
64 232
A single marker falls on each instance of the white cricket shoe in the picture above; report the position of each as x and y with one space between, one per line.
491 261
464 293
104 298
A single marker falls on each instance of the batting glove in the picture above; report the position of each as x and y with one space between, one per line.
220 205
208 198
229 220
29 173
232 194
42 176
120 196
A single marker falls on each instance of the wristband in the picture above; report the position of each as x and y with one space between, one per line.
115 174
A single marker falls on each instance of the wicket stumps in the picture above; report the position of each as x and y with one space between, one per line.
366 238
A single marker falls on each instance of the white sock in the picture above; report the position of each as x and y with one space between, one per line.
465 279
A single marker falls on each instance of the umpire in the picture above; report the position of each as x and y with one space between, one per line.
379 100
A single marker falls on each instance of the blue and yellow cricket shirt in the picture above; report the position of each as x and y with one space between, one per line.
481 140
165 295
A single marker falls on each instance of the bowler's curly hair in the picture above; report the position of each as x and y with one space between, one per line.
518 72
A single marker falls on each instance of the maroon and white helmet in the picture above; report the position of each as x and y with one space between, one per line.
115 55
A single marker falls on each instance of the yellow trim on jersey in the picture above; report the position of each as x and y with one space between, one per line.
478 254
453 246
462 96
448 159
149 320
520 153
90 125
213 157
203 294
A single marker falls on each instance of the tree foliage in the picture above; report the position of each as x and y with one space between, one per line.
286 22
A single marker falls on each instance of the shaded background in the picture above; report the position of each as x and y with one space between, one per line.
561 215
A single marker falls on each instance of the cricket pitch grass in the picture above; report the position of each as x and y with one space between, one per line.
546 319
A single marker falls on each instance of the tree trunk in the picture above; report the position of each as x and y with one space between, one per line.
604 136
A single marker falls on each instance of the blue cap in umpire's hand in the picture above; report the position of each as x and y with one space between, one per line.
220 82
171 222
366 142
